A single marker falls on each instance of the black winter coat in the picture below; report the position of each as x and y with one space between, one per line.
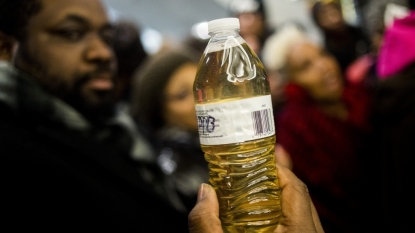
58 179
394 141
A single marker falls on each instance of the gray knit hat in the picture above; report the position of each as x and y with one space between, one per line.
150 81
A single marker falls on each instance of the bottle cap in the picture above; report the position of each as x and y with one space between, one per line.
224 23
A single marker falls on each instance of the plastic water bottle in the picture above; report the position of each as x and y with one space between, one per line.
236 130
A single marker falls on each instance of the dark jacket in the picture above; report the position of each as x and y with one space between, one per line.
394 141
181 158
60 173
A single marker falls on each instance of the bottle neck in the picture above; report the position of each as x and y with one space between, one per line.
225 33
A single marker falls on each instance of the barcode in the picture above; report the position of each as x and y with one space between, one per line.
262 122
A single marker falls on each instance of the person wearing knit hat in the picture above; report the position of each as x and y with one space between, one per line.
163 104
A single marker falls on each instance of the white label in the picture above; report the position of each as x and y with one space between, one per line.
236 121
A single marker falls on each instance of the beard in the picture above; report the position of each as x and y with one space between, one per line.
96 106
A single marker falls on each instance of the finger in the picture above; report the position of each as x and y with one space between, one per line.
316 218
297 213
282 157
204 217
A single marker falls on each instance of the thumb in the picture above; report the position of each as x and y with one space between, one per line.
298 211
204 217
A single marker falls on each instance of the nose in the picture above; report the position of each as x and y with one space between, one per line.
98 50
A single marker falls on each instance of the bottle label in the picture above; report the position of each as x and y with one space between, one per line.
235 121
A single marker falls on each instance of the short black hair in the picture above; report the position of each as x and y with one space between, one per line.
128 46
15 14
130 53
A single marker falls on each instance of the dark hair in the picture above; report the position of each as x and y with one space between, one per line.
128 48
130 54
411 4
15 14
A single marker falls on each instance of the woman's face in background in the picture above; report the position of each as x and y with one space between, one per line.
179 108
312 68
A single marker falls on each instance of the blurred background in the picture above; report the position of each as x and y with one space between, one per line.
162 20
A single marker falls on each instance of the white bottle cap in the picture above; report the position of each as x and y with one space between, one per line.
224 23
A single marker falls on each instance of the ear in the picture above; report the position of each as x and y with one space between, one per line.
7 47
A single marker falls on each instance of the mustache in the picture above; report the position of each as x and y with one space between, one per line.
84 78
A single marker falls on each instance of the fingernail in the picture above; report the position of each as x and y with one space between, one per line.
202 192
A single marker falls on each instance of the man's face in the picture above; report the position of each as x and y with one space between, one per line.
67 48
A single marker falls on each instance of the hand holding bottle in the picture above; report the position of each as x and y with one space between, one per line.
298 212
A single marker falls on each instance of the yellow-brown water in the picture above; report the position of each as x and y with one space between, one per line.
212 82
243 174
245 180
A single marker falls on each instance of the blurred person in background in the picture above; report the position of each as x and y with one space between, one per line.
344 41
379 15
162 100
390 73
253 22
67 163
273 57
322 128
196 43
130 54
394 124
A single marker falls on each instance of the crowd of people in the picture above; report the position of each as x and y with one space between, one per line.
98 134
343 116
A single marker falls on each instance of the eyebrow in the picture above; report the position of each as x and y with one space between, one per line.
81 20
108 26
76 18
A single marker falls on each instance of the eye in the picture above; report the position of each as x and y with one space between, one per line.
70 34
183 95
304 65
179 96
107 36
